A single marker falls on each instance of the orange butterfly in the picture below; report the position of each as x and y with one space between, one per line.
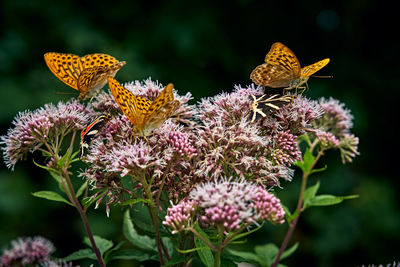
146 115
282 69
86 74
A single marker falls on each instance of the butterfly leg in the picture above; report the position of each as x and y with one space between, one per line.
301 91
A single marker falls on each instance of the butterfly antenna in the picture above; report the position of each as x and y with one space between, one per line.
322 76
65 93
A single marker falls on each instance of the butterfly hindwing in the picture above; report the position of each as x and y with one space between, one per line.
272 76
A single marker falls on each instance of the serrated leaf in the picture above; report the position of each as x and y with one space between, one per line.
204 253
50 195
101 243
86 253
140 241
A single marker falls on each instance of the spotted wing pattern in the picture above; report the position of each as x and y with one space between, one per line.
282 56
311 69
143 113
86 74
66 67
134 107
282 69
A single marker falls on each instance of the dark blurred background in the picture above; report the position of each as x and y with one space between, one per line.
206 48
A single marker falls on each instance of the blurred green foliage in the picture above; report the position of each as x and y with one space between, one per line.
206 48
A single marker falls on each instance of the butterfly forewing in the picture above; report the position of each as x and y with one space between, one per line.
144 114
281 55
87 74
311 69
66 67
134 107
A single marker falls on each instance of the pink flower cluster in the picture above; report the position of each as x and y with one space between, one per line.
226 204
181 143
27 250
179 216
33 128
333 129
286 150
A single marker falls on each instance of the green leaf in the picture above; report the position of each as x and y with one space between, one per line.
266 254
175 260
242 256
327 200
141 241
81 189
137 200
107 257
288 215
143 226
308 160
289 251
102 244
241 235
205 253
50 195
131 254
319 170
86 253
87 201
43 167
311 192
61 162
73 156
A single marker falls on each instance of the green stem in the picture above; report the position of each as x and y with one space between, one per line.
299 209
72 196
217 260
154 219
199 236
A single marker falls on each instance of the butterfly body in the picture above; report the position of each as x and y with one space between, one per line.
91 131
145 115
282 69
86 74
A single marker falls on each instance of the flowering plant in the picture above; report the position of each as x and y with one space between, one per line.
207 176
